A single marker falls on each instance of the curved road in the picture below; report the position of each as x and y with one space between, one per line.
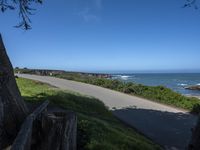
168 126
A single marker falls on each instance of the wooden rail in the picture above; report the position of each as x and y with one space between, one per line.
44 130
24 137
69 139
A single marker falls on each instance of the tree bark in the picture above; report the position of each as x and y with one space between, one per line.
12 107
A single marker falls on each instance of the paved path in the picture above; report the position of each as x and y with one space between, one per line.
167 126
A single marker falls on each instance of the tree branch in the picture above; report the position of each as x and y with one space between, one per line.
24 9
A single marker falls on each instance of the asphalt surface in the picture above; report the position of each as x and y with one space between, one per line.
167 126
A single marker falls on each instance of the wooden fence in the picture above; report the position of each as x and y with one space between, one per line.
44 130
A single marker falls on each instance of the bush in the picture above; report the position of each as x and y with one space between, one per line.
155 93
196 108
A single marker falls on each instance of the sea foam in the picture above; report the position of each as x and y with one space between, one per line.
182 84
125 77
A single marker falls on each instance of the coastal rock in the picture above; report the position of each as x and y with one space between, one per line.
194 87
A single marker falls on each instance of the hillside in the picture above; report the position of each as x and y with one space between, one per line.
97 127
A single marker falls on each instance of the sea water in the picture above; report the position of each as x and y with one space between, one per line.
174 81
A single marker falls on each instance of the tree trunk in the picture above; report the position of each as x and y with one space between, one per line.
12 107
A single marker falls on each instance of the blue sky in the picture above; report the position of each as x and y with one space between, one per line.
106 35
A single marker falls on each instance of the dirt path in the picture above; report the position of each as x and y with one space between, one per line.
166 125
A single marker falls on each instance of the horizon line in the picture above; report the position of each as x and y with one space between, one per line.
118 71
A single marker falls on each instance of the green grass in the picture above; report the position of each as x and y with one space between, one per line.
159 94
97 127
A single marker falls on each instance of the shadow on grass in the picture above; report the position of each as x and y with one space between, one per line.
72 102
91 112
166 128
97 127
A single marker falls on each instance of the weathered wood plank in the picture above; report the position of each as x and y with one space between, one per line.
23 140
47 131
60 130
24 137
40 109
70 132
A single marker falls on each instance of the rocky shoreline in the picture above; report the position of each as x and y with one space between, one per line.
193 87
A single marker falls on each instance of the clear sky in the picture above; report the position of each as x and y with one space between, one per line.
107 35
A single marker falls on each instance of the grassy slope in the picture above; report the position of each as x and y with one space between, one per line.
159 94
97 128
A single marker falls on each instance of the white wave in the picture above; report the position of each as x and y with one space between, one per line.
182 84
198 84
119 76
125 77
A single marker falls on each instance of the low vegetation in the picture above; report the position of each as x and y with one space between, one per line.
97 127
159 94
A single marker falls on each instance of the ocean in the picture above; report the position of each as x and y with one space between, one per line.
174 81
